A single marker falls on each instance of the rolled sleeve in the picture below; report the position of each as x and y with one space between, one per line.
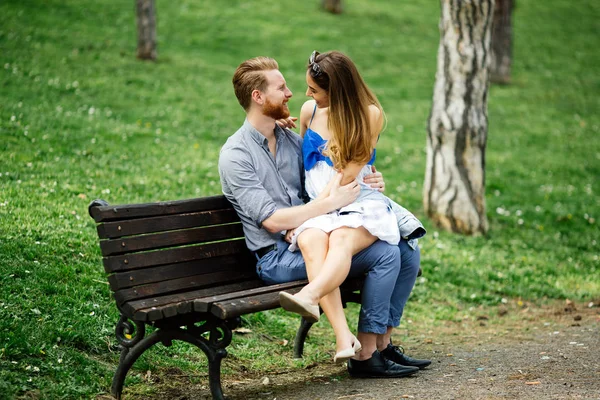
241 178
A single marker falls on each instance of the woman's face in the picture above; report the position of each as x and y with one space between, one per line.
316 92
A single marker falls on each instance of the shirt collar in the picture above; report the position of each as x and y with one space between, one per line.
257 136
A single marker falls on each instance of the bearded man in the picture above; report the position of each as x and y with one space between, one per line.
262 175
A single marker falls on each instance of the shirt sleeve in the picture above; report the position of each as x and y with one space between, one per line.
239 175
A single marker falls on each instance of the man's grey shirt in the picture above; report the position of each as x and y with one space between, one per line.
258 184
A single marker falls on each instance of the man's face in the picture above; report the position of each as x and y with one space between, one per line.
276 95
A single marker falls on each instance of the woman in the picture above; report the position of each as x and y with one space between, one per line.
340 126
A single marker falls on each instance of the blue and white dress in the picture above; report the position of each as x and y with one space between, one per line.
371 209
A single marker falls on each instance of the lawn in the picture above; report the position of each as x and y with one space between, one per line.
81 118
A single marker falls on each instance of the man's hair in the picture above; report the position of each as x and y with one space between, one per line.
248 77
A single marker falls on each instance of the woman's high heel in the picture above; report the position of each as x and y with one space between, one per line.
291 303
348 353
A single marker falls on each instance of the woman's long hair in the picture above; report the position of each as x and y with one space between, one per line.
349 101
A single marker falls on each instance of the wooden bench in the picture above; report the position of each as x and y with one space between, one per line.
182 267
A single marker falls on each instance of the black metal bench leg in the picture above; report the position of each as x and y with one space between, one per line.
301 337
128 358
213 348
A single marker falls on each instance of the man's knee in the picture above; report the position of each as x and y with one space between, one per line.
387 253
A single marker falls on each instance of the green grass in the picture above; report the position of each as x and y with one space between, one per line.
81 118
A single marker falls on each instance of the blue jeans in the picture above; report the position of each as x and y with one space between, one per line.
390 273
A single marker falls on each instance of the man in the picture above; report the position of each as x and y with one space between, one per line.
262 176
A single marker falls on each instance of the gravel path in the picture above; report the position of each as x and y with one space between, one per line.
549 353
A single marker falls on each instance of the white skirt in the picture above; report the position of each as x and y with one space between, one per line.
375 216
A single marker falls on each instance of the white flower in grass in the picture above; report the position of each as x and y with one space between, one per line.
91 111
520 221
538 208
92 313
518 213
36 369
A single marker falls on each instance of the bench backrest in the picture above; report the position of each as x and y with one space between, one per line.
166 248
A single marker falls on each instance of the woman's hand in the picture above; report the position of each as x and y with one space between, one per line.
289 122
375 180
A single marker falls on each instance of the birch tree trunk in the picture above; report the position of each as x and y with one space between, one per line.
333 6
454 190
502 42
146 21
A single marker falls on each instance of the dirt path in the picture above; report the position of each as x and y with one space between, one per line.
524 353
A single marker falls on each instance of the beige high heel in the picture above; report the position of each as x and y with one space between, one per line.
291 303
348 353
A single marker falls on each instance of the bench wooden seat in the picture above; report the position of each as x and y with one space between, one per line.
183 268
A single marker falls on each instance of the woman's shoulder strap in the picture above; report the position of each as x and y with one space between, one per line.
313 115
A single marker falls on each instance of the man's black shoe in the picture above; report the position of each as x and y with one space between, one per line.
393 353
378 367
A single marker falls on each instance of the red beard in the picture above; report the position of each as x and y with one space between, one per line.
275 111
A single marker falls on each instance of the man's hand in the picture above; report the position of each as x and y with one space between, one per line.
375 180
289 122
341 196
289 234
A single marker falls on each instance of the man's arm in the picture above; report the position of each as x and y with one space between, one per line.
292 217
239 175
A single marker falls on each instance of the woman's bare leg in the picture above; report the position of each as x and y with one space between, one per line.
314 244
343 244
329 266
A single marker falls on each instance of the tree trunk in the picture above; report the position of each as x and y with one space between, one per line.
333 6
146 21
502 42
454 190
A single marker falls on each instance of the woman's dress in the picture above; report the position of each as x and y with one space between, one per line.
370 210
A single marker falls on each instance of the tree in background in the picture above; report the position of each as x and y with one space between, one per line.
454 190
502 41
333 6
146 22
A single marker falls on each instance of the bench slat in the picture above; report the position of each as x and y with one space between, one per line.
117 229
126 211
184 302
180 285
172 238
204 304
234 308
170 256
123 280
201 304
